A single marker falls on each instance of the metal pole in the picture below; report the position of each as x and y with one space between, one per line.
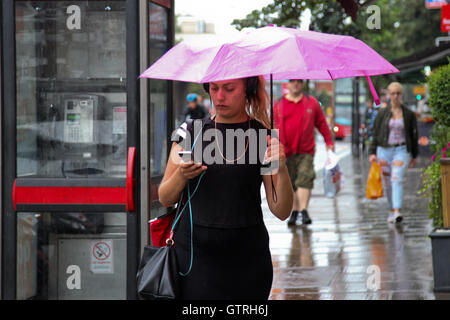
355 118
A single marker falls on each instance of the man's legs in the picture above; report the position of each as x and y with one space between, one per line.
302 175
303 195
301 199
296 202
292 164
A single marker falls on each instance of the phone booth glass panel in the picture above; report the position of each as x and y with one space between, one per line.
71 129
71 89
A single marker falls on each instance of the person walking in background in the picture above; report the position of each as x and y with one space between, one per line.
394 146
194 109
296 115
370 110
371 113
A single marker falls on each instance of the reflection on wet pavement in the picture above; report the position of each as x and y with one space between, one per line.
350 251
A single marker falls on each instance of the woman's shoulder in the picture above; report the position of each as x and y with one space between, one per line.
382 112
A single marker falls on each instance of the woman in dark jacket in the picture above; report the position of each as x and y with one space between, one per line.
394 146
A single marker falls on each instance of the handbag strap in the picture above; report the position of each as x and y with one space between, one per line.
192 241
188 202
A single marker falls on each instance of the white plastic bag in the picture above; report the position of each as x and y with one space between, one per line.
332 175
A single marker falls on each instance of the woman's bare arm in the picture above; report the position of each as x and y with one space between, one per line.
282 183
285 194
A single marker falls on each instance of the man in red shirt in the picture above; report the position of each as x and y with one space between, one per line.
296 115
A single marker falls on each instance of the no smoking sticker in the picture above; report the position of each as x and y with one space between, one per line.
102 256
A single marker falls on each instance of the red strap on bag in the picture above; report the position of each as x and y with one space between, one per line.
160 229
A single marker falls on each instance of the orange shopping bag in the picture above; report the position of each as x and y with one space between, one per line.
374 187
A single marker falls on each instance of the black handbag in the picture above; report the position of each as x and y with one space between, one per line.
157 277
158 274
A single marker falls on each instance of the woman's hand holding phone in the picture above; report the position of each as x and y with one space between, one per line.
188 168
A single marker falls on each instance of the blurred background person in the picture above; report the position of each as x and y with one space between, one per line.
296 115
194 109
394 146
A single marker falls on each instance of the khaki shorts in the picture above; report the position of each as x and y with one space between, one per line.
301 170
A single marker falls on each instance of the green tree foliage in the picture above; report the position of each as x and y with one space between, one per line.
439 101
406 25
419 26
330 17
285 13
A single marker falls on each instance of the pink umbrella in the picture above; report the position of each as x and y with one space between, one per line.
274 52
284 53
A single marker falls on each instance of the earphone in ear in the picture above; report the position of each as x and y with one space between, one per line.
250 90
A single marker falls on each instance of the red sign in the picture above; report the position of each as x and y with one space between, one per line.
434 4
445 18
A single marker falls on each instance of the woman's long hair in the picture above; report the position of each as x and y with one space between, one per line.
257 106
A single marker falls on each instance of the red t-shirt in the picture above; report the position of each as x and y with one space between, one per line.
296 122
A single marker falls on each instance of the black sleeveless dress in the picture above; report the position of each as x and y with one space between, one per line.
231 256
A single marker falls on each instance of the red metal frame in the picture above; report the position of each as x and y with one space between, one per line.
68 195
79 195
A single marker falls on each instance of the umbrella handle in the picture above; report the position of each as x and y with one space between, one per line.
271 101
372 90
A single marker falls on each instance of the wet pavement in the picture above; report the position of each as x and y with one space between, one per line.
350 251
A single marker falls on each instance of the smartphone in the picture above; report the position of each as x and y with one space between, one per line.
186 155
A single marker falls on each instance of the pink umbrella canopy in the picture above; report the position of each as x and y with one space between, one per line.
283 53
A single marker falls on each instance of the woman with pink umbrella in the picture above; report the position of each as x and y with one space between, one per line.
228 250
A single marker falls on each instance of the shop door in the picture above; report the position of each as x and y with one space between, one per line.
70 132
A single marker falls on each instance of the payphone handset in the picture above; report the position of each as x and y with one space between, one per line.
79 113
